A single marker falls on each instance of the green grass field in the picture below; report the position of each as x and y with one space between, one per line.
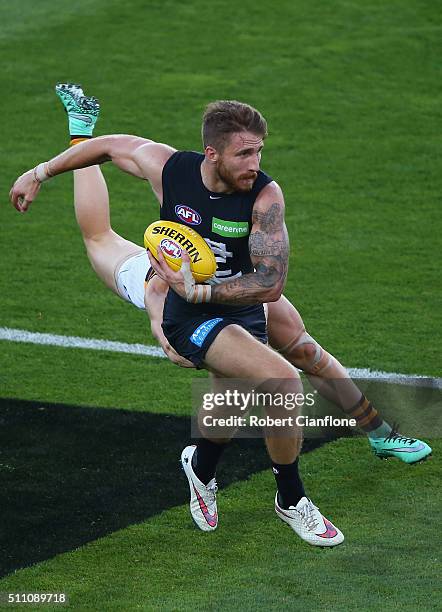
352 94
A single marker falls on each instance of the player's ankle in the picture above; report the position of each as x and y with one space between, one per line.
205 459
289 483
380 432
76 139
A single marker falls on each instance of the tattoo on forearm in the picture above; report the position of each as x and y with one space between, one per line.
269 251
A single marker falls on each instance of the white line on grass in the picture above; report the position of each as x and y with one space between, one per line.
21 335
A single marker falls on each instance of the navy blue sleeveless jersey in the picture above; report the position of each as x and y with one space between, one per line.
223 220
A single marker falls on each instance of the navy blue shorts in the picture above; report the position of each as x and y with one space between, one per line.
191 328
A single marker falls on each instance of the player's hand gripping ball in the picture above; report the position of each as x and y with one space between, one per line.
172 238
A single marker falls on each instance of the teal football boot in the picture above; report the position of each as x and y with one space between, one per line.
82 111
409 450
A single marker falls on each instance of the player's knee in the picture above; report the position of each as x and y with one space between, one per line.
95 239
302 350
282 371
282 379
307 355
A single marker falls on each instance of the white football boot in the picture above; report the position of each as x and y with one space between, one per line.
306 520
202 497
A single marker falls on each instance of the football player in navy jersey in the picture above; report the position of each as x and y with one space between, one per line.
206 323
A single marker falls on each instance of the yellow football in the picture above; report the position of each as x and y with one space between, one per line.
172 238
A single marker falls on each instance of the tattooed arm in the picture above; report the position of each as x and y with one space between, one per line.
269 249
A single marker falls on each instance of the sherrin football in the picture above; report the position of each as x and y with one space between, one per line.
173 238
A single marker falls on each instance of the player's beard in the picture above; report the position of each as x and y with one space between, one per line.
235 184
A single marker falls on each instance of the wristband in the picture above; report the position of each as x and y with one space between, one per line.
202 293
42 173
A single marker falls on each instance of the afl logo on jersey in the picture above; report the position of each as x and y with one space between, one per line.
171 248
187 214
